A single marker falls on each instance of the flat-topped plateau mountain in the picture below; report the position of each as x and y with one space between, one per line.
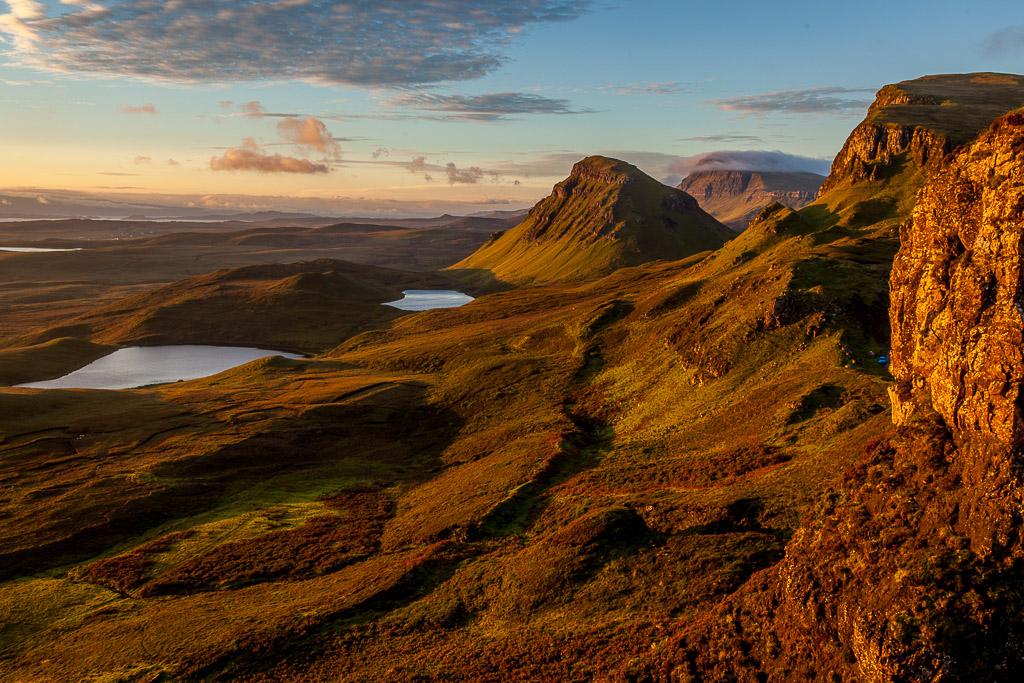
789 454
735 197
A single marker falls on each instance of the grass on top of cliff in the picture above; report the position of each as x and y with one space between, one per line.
958 106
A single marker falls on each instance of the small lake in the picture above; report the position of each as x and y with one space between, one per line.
30 250
426 299
141 365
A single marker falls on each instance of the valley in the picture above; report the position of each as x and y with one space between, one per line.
652 447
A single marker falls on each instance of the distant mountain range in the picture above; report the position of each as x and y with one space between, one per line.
735 197
42 208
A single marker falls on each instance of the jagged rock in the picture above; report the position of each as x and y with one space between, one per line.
958 323
873 148
784 309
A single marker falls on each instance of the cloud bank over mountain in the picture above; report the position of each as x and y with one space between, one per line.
739 160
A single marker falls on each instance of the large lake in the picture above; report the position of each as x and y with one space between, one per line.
426 299
141 365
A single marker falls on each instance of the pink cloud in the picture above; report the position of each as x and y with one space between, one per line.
254 109
141 109
308 132
248 157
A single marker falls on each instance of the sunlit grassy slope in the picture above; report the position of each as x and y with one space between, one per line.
607 214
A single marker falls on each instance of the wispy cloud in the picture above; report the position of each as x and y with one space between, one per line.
1007 41
248 157
141 160
366 44
486 107
449 171
253 110
26 9
140 109
16 22
668 88
16 27
724 138
825 100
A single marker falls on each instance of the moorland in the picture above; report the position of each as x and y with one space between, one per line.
653 448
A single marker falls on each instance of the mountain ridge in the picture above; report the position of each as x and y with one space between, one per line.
607 214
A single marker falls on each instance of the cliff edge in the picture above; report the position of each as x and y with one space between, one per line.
920 121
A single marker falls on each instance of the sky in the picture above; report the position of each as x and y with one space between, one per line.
422 107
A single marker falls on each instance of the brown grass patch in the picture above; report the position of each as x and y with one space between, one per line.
321 545
130 570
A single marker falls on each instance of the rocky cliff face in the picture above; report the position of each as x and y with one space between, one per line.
872 149
735 197
957 293
915 557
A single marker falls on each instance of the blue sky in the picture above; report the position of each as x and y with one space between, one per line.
419 107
